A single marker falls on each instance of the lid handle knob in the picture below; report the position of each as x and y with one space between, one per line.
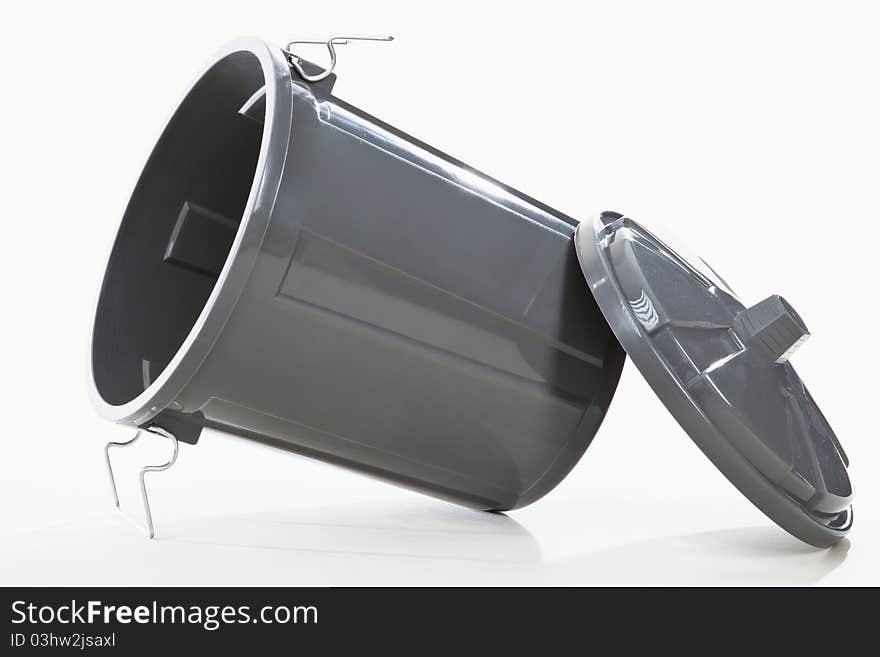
772 327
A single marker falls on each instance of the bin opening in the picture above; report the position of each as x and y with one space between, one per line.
179 227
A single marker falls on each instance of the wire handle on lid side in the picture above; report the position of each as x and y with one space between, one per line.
295 60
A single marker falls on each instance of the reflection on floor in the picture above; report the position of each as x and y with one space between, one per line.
398 543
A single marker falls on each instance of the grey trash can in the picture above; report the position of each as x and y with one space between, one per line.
294 271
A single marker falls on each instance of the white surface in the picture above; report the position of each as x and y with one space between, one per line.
751 130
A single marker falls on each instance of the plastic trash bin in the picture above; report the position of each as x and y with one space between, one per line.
296 272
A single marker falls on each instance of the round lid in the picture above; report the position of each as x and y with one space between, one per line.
722 370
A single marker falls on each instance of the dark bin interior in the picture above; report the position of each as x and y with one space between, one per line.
178 229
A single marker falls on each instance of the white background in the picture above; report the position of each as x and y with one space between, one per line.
749 128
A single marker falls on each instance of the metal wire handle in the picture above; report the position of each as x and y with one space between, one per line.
151 532
295 60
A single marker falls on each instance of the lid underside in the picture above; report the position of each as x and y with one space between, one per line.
722 370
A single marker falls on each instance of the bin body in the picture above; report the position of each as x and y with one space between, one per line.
316 280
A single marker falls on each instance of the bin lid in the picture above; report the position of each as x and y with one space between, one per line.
722 369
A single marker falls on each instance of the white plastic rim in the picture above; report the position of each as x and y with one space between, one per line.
242 255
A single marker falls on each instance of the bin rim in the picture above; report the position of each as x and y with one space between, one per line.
162 392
